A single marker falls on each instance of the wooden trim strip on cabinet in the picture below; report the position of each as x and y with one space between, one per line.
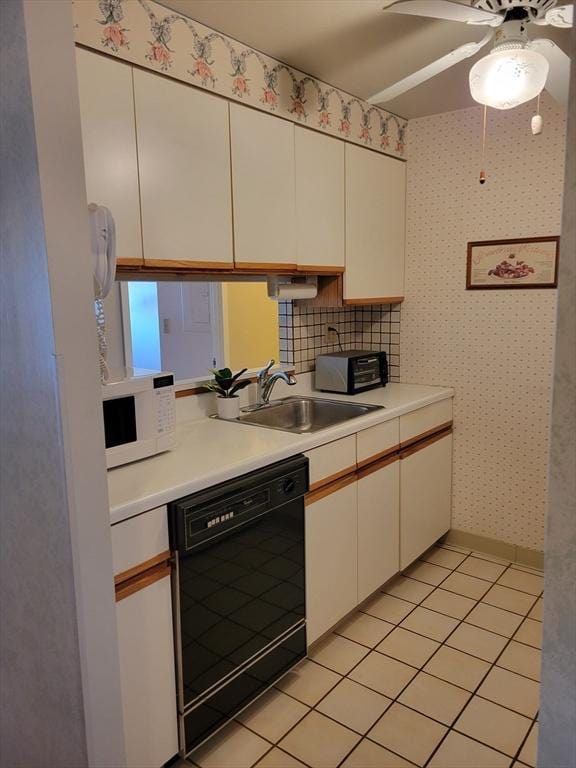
142 580
201 389
376 465
191 391
424 435
169 264
376 300
264 267
141 568
318 269
129 263
327 490
331 479
425 443
378 456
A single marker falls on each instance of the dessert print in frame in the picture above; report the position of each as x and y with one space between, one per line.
528 262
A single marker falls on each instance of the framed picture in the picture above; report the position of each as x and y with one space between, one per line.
529 262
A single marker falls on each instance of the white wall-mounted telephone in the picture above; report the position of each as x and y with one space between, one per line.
103 239
103 245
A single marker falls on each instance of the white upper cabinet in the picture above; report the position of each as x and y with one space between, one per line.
375 224
263 189
109 142
184 160
319 201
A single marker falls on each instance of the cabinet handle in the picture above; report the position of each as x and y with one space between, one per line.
331 479
376 465
141 567
425 443
141 576
377 457
327 490
424 435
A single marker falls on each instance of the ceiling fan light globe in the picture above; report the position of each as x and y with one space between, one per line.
505 79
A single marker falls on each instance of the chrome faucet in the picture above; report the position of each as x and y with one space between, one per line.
265 382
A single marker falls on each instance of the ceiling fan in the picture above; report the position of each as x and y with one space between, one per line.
516 70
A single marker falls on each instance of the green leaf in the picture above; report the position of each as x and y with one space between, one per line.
212 386
238 386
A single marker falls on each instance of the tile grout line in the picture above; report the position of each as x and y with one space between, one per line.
475 692
525 739
395 700
346 677
420 669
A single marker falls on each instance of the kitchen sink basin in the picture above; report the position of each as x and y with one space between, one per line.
303 414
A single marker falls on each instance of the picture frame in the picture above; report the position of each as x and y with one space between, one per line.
526 262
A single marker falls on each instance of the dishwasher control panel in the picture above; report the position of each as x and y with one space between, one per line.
203 515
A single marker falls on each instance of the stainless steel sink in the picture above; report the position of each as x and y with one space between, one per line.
303 414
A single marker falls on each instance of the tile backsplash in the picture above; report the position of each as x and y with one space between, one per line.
303 333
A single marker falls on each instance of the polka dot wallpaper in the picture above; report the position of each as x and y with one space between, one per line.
494 347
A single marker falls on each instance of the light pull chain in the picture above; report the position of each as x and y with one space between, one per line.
537 121
482 172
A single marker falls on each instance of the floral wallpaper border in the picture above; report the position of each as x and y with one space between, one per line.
148 34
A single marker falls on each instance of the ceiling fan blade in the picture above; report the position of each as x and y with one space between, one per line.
561 16
445 9
445 62
558 78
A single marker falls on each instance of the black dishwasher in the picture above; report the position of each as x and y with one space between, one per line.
239 593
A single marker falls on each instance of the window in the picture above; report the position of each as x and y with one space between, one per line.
189 327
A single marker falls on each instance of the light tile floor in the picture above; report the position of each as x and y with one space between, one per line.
441 669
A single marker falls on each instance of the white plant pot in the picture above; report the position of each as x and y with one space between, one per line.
228 407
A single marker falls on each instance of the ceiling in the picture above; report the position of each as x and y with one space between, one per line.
353 45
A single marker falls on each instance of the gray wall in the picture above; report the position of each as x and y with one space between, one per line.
59 677
557 747
42 708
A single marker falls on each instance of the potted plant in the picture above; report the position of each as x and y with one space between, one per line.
226 385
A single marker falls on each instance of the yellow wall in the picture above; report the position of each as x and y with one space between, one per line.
250 325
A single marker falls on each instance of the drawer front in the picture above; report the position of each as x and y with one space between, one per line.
377 441
139 540
425 421
333 460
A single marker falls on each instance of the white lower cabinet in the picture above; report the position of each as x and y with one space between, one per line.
147 677
145 638
331 559
425 500
375 505
378 527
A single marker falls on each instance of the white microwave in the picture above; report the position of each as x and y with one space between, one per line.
139 414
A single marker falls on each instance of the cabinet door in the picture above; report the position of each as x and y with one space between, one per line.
331 559
263 189
184 160
146 646
375 224
109 142
425 496
378 526
319 201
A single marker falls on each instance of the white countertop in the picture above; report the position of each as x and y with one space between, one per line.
209 451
